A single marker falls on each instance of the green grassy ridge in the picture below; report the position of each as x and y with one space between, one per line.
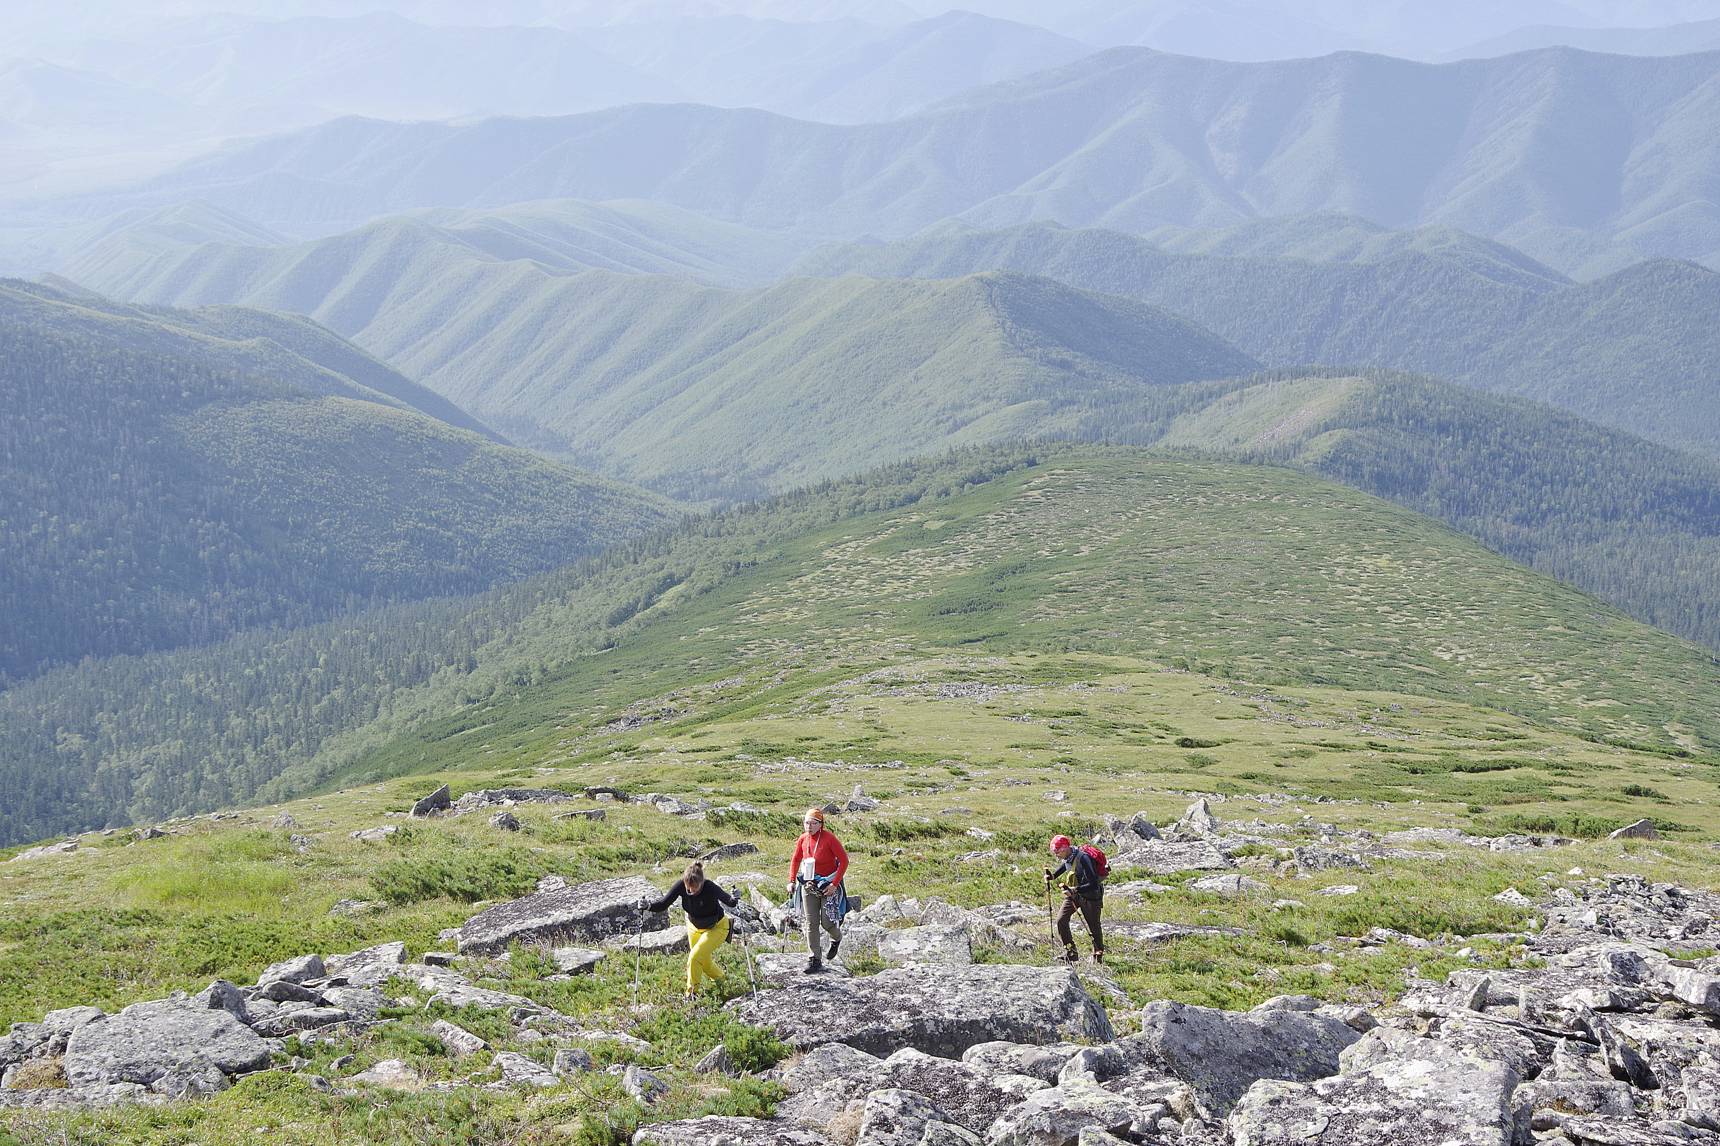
174 478
1175 562
268 712
1629 521
1258 574
704 392
1633 350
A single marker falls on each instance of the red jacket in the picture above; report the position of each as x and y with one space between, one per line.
826 851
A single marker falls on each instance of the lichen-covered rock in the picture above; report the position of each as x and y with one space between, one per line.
389 1074
1058 1115
1221 1053
1448 1100
999 1058
720 1131
671 940
1627 1132
146 1040
1167 857
1230 886
823 1063
588 913
967 1095
454 989
194 1077
458 1040
371 967
929 944
577 960
933 1009
518 1070
895 1117
294 970
1551 1102
642 1085
437 801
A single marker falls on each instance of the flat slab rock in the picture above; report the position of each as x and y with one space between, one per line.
1220 1054
146 1040
1445 1100
719 1131
585 913
1164 857
941 1011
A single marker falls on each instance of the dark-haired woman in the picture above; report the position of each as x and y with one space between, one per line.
707 926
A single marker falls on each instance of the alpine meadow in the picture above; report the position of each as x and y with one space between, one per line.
792 573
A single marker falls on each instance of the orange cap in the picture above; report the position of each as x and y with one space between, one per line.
815 814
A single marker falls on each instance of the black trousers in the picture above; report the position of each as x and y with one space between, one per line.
1089 909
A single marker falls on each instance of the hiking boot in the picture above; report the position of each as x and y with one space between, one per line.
831 954
1099 958
813 966
1070 956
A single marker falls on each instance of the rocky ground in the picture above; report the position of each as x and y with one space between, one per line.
1603 1030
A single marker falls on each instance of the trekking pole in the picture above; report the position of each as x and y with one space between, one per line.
638 945
746 953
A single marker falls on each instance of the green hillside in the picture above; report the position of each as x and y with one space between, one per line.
1129 138
1634 523
174 477
720 393
138 262
1635 350
1246 574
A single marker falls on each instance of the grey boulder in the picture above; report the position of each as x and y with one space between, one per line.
1448 1100
895 1117
371 967
1057 1116
716 1130
928 944
1220 1054
932 1009
587 913
146 1040
437 801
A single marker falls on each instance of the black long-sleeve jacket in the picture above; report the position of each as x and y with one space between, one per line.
1087 881
702 909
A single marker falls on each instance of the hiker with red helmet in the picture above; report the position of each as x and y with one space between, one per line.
815 874
1083 891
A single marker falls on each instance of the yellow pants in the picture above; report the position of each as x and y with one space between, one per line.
702 944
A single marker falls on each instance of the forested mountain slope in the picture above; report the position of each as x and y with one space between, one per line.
1550 151
400 254
1636 350
1632 522
174 477
720 393
1253 573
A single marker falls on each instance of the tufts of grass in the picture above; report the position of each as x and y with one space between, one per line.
463 874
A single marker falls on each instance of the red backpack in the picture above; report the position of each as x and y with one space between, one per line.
1099 861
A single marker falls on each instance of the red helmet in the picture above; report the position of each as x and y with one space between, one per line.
1058 843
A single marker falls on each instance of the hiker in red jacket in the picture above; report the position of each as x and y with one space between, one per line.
1083 891
817 869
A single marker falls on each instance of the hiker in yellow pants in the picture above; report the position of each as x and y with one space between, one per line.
702 955
707 926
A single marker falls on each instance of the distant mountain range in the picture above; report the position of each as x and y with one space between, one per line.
1637 349
175 477
1563 154
1674 40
